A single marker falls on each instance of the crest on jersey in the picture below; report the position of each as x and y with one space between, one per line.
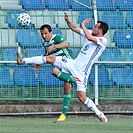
86 48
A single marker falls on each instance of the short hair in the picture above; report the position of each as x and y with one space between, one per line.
47 27
103 26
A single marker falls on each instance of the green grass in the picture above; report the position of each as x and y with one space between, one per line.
71 125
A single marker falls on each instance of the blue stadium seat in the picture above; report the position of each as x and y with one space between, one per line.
123 38
56 5
35 52
122 77
57 32
33 4
29 38
124 5
5 77
24 76
115 19
9 54
112 55
77 7
128 55
105 5
86 14
12 20
129 19
103 77
46 78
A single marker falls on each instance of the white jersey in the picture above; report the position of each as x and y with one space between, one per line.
80 67
89 53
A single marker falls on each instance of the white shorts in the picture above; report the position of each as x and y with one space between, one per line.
66 65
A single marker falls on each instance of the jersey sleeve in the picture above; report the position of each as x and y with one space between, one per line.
59 39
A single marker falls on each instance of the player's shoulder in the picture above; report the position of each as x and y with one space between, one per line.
102 39
58 38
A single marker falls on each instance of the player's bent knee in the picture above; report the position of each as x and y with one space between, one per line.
55 71
50 59
81 96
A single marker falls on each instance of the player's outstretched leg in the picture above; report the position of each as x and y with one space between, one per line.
90 104
102 117
20 56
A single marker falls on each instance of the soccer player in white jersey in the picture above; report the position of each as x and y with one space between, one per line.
80 68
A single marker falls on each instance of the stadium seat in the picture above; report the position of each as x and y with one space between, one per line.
55 31
105 5
3 23
10 5
77 7
9 54
74 39
103 77
35 52
86 14
124 5
12 20
29 38
24 77
46 78
8 38
123 38
112 55
56 5
129 19
60 21
33 4
122 77
39 18
128 55
5 77
115 19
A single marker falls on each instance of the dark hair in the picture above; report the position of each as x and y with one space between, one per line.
46 26
103 26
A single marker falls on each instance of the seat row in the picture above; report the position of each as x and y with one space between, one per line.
26 77
70 4
115 19
30 38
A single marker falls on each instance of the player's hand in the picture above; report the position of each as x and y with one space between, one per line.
86 21
37 67
49 49
66 17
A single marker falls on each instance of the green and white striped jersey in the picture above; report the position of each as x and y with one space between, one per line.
57 39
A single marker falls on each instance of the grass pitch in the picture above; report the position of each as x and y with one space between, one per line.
71 125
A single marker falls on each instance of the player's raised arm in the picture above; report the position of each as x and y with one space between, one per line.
71 25
87 33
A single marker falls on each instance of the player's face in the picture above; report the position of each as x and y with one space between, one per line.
96 31
46 35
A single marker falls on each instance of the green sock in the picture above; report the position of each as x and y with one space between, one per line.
66 77
66 103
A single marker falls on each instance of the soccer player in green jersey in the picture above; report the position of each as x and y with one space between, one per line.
55 44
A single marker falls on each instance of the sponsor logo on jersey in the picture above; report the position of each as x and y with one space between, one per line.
85 48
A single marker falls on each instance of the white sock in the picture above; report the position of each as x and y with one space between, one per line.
35 60
90 104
